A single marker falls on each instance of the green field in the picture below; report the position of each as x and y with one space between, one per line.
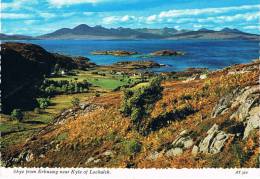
14 131
107 82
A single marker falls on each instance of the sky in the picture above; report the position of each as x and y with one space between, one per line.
37 17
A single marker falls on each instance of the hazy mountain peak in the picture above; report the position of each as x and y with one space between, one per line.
82 26
204 30
231 30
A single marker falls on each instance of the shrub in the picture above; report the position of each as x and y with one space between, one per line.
132 147
138 103
43 103
75 102
51 87
17 114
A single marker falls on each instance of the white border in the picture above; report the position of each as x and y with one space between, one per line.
9 173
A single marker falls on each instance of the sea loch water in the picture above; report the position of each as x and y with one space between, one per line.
211 54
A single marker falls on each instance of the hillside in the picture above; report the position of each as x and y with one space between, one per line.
15 37
85 32
203 120
23 67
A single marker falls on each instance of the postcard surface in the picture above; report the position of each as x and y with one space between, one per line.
96 87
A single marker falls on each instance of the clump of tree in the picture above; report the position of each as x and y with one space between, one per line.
132 147
138 103
17 114
43 103
51 87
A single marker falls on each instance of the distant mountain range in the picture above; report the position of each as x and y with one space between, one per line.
83 31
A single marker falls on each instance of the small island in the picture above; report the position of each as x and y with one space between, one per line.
167 53
114 53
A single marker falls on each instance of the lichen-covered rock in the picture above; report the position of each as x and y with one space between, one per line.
218 142
204 145
224 103
174 152
184 142
154 155
195 150
214 141
252 123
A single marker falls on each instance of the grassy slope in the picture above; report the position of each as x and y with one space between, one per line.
106 129
108 82
14 132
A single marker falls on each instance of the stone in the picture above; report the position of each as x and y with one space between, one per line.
195 150
83 106
29 157
183 133
213 129
218 143
214 141
91 159
174 152
243 111
188 143
252 123
108 153
183 141
205 143
203 76
154 155
97 161
42 156
225 102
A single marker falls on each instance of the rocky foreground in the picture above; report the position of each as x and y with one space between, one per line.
221 130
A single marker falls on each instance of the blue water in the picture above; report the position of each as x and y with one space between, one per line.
211 54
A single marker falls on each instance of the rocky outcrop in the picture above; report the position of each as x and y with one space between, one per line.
183 141
252 123
176 148
167 53
246 103
82 109
114 53
214 142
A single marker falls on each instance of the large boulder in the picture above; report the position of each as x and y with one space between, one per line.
245 103
183 141
214 142
252 123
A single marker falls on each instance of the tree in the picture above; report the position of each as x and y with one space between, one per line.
43 103
138 103
17 114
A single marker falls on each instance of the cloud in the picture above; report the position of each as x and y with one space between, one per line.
195 12
252 27
231 18
47 15
17 4
151 18
60 3
15 16
118 19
